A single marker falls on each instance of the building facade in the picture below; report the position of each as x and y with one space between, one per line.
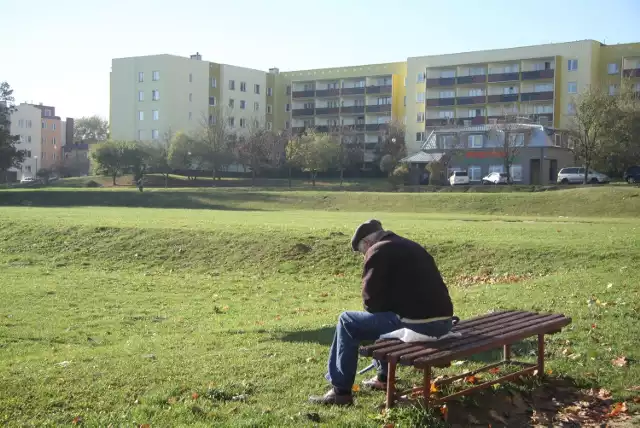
26 123
424 93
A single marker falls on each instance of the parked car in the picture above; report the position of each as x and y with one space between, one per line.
576 175
632 174
496 178
459 177
27 180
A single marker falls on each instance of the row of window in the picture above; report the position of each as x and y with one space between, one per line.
28 155
24 123
243 86
572 65
155 76
155 115
44 125
155 95
475 171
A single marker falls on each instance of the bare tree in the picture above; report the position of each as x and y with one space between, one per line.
591 125
256 149
214 141
509 135
350 150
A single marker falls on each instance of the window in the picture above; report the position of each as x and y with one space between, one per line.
190 115
448 141
156 76
28 153
243 104
190 97
475 141
140 95
510 90
572 65
54 155
571 108
420 117
44 140
140 115
243 122
447 94
256 89
243 86
155 114
29 123
447 74
476 92
154 134
140 76
476 71
419 136
516 172
572 87
155 95
613 89
476 112
405 100
516 140
420 77
384 100
140 134
287 106
358 102
190 77
232 103
232 122
212 101
28 167
269 92
29 139
212 119
232 85
420 97
269 126
496 168
288 89
214 82
269 108
287 125
612 68
53 126
543 87
405 81
359 84
475 172
44 125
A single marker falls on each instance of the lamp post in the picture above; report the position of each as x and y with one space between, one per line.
36 158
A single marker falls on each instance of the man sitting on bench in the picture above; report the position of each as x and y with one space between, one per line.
401 288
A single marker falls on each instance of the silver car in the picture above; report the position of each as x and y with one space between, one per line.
575 175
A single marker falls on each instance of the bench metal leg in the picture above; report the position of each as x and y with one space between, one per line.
426 387
506 352
391 384
541 355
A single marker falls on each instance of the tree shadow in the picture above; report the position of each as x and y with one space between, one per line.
321 336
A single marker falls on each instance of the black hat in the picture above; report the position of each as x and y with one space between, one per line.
365 229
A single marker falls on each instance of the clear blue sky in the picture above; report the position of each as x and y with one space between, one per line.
59 52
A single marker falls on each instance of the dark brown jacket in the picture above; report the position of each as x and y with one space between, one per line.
400 276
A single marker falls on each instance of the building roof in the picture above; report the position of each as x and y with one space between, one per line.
422 157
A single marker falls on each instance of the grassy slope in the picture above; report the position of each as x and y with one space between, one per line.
232 302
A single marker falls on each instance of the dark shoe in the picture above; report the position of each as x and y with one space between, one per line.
375 383
331 398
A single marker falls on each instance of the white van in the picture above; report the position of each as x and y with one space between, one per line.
459 178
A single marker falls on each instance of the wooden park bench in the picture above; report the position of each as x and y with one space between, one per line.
484 333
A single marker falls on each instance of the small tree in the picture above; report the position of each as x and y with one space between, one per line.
313 152
213 143
436 170
90 129
157 155
595 113
180 155
350 150
392 143
256 149
510 136
10 156
114 157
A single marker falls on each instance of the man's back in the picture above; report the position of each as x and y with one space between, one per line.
400 276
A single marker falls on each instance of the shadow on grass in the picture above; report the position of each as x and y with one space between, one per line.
134 199
321 336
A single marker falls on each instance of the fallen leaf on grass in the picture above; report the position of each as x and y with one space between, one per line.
444 410
172 400
434 388
77 420
471 379
636 400
634 388
355 388
494 370
144 426
609 285
278 317
195 396
620 361
617 409
225 308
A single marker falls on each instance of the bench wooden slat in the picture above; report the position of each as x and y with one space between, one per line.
470 336
509 334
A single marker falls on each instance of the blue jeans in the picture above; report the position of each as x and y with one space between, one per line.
354 327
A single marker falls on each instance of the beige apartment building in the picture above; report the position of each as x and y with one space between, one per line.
152 95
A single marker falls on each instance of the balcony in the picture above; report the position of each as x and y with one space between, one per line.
379 89
436 122
435 102
304 94
303 112
538 74
376 126
360 127
327 110
480 99
536 96
441 81
503 98
352 110
352 91
327 92
379 108
478 120
631 72
504 77
482 78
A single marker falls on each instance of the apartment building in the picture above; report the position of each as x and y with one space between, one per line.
51 138
467 89
26 123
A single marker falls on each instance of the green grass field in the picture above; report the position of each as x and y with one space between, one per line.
123 309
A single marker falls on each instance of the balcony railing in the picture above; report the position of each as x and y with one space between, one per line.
536 96
436 122
327 110
482 78
441 81
477 120
386 89
503 98
379 108
480 99
303 112
631 72
327 92
352 110
304 94
504 77
376 126
352 91
538 74
434 102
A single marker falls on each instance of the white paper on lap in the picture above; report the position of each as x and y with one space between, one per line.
406 335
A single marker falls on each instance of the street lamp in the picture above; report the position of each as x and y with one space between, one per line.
36 158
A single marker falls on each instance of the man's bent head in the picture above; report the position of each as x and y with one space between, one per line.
363 237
